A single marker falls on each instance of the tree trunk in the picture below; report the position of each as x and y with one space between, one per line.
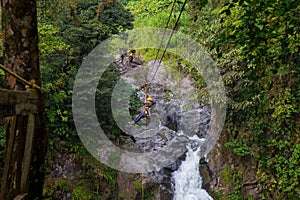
20 43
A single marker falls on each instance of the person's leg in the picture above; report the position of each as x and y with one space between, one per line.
139 117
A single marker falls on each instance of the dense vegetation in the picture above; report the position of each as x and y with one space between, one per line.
259 45
256 47
68 32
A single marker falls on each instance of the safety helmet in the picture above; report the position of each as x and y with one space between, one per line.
149 99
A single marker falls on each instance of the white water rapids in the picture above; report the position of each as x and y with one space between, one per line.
187 178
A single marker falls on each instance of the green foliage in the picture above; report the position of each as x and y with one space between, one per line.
97 175
83 29
56 81
156 13
63 185
2 142
135 104
167 94
233 179
2 79
239 148
60 185
68 33
80 193
259 65
103 102
151 192
254 45
50 43
138 185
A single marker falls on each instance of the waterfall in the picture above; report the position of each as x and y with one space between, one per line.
187 180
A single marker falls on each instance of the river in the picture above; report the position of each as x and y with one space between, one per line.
187 180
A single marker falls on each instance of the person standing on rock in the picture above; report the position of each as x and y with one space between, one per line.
146 110
131 54
122 57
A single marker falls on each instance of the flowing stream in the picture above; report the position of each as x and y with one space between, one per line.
187 180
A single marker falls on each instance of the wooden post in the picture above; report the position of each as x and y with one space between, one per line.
27 154
8 159
21 196
20 136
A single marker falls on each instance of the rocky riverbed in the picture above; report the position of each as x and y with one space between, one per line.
175 118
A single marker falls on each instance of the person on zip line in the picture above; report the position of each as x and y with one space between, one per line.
146 110
145 113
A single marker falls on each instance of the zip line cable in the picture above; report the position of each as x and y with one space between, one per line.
146 85
165 31
174 28
160 45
